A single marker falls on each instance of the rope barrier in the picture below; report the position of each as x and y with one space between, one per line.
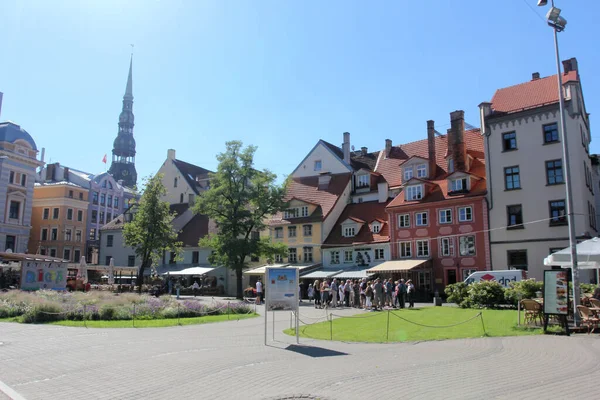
440 326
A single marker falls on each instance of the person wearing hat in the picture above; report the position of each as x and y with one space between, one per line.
410 292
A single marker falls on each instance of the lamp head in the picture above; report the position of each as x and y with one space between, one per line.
542 3
553 14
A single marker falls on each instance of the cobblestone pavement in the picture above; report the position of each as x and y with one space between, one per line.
230 361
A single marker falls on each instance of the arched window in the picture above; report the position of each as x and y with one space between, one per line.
180 197
175 182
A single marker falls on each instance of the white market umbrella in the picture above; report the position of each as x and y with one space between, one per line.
111 271
588 255
82 271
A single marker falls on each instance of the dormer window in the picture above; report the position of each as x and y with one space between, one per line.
421 171
291 213
408 174
349 231
414 193
376 227
296 212
459 185
450 165
362 181
304 211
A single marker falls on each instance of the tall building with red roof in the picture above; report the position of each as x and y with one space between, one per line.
438 222
525 170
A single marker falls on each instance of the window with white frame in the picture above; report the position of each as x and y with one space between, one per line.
318 165
67 235
465 214
445 216
467 245
404 221
307 230
362 181
291 231
446 247
278 233
408 173
422 248
405 249
348 256
304 211
349 231
291 213
421 218
379 254
308 254
458 185
422 171
335 257
376 227
414 192
278 258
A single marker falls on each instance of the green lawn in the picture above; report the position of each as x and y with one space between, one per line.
149 323
372 327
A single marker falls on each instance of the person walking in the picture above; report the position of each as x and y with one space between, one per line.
410 291
317 290
311 293
401 296
195 287
334 293
259 292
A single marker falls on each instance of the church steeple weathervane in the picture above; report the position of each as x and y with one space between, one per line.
123 154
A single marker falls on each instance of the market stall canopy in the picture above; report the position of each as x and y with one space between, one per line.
396 266
352 274
321 274
588 255
301 267
191 271
8 256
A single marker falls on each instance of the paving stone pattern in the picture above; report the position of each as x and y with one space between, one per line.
230 361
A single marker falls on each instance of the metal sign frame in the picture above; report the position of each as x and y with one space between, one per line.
272 292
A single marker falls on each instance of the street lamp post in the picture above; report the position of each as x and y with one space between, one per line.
558 24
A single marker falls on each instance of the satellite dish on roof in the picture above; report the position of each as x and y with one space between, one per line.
352 147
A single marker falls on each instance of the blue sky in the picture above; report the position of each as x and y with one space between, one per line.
279 74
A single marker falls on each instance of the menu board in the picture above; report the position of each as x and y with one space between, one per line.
281 289
556 292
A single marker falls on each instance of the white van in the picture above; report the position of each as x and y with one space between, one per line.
503 277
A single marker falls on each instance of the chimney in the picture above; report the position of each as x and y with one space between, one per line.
431 149
388 147
346 147
43 154
50 171
456 143
66 174
535 76
485 109
364 151
171 154
570 65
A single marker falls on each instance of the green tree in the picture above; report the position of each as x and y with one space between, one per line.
151 232
239 200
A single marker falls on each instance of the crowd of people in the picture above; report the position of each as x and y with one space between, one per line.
369 295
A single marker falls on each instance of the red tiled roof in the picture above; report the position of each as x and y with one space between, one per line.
365 212
306 189
390 167
530 94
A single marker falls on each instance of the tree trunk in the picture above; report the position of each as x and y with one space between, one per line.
238 279
140 278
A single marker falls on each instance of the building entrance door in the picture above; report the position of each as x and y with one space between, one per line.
450 276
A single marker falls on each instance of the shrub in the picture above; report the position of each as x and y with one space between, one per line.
524 289
43 313
456 292
107 312
484 294
586 288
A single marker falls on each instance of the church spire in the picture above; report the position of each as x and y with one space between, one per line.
129 88
123 159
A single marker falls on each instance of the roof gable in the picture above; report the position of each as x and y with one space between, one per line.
367 211
191 173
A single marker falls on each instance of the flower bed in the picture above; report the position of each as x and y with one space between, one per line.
47 306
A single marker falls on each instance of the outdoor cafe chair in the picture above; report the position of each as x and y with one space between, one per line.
533 311
587 318
595 302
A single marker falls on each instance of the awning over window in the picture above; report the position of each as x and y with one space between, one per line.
396 266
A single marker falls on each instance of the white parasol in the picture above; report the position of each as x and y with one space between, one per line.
111 272
82 271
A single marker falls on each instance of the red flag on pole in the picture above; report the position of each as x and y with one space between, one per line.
104 159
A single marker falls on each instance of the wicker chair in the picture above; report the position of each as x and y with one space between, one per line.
533 311
587 318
